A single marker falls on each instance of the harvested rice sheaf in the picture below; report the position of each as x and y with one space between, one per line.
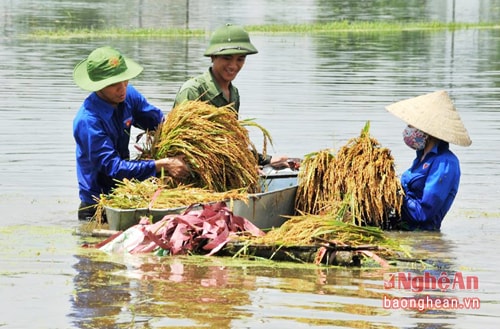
152 193
313 189
215 144
344 199
359 183
307 230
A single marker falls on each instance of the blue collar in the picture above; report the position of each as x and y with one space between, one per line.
100 107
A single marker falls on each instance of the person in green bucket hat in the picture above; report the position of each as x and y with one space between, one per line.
228 48
101 128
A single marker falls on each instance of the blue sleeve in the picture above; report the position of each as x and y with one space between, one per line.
145 115
441 180
102 153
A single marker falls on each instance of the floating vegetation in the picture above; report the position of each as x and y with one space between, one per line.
68 33
341 26
358 184
216 145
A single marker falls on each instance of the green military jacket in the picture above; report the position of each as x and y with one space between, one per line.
205 88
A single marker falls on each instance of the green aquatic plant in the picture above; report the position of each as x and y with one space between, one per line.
370 26
67 33
342 26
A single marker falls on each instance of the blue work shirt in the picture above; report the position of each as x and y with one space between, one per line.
430 187
102 135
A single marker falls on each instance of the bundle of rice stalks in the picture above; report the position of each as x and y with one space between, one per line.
215 143
307 230
359 184
312 191
151 193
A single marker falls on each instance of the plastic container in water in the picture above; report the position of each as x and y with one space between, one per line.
122 219
158 214
266 209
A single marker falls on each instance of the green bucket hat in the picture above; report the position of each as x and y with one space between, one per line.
103 67
230 40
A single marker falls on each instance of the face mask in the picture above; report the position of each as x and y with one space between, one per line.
414 138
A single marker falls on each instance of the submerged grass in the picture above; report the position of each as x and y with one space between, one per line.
66 33
342 26
370 26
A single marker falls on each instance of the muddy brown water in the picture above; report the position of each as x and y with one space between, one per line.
311 92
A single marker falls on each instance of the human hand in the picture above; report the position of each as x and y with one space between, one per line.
279 161
175 166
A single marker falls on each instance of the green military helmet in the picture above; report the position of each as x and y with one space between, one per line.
230 40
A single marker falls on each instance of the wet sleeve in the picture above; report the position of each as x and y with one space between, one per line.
102 154
439 183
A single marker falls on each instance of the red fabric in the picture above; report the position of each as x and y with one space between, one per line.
206 230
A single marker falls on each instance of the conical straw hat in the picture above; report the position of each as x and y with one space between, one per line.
434 114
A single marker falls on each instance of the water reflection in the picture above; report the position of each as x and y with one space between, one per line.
226 293
151 289
206 294
438 291
213 292
98 299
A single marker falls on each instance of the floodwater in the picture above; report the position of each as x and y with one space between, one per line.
311 92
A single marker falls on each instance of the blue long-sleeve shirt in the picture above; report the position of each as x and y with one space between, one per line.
102 135
430 187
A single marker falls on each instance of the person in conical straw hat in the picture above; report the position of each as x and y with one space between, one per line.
431 183
228 49
101 128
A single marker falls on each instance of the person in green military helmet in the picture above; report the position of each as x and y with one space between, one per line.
228 48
